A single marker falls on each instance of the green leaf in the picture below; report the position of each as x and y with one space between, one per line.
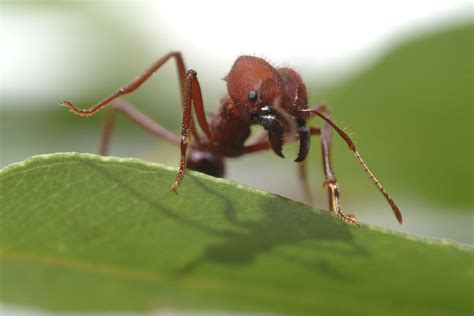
86 233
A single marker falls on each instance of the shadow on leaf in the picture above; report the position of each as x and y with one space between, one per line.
247 239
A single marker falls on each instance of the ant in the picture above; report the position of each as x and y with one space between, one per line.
257 93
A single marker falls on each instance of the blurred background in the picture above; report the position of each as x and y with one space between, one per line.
398 76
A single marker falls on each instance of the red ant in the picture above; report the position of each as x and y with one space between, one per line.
258 93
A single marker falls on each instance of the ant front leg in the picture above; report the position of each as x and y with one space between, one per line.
192 96
331 180
331 183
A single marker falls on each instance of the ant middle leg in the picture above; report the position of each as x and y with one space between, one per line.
140 79
133 85
192 98
132 113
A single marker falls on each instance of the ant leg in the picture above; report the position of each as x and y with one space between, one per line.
138 81
120 106
318 111
331 183
192 96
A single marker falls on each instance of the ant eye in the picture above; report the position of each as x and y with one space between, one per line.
253 96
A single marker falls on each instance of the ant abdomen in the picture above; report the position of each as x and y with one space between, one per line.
205 161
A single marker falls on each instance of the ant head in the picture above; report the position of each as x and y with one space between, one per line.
262 96
253 83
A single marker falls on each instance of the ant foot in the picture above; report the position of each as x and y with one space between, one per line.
178 180
334 202
348 218
174 187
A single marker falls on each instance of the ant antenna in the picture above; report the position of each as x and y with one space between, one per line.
364 166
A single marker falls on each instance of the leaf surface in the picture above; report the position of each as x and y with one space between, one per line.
81 232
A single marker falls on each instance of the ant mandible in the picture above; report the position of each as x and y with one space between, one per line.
257 93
